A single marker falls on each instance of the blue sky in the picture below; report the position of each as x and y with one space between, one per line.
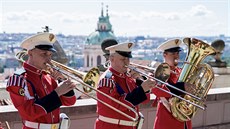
128 17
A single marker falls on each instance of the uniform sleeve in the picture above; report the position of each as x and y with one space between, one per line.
179 85
173 80
50 102
67 99
24 100
148 98
108 87
138 83
137 96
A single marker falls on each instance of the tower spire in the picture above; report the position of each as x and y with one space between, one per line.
102 11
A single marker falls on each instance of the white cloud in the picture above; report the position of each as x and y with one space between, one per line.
199 10
15 16
156 22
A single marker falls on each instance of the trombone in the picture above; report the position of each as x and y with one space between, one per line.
92 76
162 73
150 69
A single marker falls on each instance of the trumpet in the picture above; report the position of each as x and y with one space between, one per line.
161 75
91 77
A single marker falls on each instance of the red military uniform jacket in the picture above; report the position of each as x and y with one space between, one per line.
164 119
32 93
128 96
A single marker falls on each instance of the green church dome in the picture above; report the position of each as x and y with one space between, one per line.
97 37
103 31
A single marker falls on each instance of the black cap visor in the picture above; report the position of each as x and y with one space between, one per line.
125 54
175 49
46 47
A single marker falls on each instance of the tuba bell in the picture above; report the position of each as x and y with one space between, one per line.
193 72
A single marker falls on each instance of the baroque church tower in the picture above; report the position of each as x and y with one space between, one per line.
93 54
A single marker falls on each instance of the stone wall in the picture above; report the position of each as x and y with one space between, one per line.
222 76
83 113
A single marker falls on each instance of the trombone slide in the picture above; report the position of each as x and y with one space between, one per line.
162 82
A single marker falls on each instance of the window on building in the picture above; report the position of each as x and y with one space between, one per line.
98 60
92 62
87 61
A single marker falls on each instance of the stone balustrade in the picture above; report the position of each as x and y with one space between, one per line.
83 113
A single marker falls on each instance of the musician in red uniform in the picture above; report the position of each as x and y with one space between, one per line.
164 118
116 83
35 93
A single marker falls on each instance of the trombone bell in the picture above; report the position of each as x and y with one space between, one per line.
90 78
162 72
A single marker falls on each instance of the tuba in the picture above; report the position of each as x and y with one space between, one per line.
193 72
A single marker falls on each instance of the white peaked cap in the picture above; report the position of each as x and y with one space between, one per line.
171 45
42 41
123 49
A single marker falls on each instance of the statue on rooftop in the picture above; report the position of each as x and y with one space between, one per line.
219 46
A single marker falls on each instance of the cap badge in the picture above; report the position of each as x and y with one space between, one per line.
51 37
21 91
130 45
